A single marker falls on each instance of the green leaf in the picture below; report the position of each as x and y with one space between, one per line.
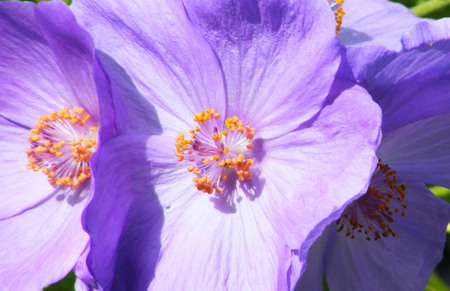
428 10
325 283
441 192
66 284
436 284
429 7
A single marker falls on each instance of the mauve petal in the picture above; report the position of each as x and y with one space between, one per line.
411 86
378 22
312 278
189 216
171 179
278 57
81 286
125 217
29 94
141 165
170 63
367 61
388 264
20 188
308 179
427 33
187 207
85 281
73 50
132 113
294 270
419 151
213 250
108 122
41 245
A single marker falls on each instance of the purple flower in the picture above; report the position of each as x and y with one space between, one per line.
246 163
49 121
375 22
393 236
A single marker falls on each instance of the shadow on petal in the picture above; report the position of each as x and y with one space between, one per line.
125 216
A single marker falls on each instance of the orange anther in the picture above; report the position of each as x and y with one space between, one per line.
212 146
45 152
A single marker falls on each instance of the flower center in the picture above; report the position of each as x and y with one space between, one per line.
373 213
216 151
61 145
338 13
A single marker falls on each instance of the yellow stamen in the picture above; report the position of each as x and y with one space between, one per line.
211 145
44 150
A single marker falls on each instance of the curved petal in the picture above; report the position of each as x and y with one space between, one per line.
387 264
366 62
124 218
171 65
85 281
275 55
26 100
410 86
428 33
313 173
216 250
378 22
313 276
73 50
29 94
197 236
20 188
419 151
48 238
132 113
108 121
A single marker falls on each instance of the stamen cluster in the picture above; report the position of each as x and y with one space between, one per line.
338 13
216 152
373 213
61 146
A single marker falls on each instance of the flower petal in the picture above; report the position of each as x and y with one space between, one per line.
378 22
366 62
30 99
31 95
124 218
193 228
85 281
311 174
216 250
275 55
167 58
73 50
408 86
21 188
427 33
48 238
132 113
419 151
387 264
313 276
